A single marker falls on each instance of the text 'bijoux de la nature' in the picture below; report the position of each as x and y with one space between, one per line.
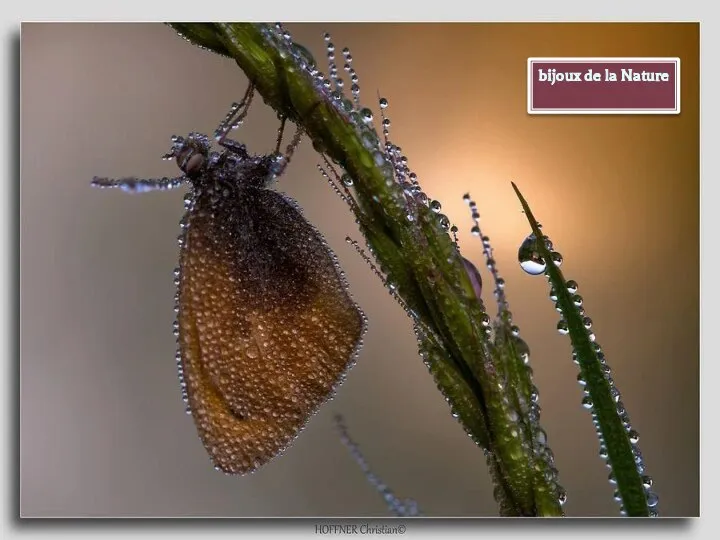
552 76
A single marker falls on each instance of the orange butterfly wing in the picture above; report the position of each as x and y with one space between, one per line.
267 329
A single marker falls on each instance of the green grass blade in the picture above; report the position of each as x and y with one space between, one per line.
614 435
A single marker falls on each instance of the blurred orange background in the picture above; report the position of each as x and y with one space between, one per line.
103 431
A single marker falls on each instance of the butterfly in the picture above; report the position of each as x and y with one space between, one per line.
266 327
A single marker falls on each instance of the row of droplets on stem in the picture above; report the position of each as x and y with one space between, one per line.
534 264
541 450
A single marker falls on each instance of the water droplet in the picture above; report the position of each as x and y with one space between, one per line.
587 323
652 499
647 482
529 256
572 286
435 206
562 327
466 197
556 258
541 436
383 103
577 300
612 479
634 436
587 402
347 180
475 277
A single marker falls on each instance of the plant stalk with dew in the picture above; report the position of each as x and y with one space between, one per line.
480 366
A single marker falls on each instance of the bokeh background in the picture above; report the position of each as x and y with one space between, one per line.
103 431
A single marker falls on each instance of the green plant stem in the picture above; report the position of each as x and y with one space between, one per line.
613 432
413 247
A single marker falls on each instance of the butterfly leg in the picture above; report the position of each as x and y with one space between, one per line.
236 115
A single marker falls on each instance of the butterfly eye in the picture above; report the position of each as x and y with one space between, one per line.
190 160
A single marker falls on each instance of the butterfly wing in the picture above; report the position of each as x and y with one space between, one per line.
267 328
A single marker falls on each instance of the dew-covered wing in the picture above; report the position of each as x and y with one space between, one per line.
267 327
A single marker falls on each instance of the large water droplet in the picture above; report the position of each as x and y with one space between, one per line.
562 327
529 256
475 278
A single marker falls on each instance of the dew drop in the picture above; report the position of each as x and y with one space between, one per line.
541 436
553 294
529 256
572 286
556 258
435 206
562 327
383 103
587 402
366 115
